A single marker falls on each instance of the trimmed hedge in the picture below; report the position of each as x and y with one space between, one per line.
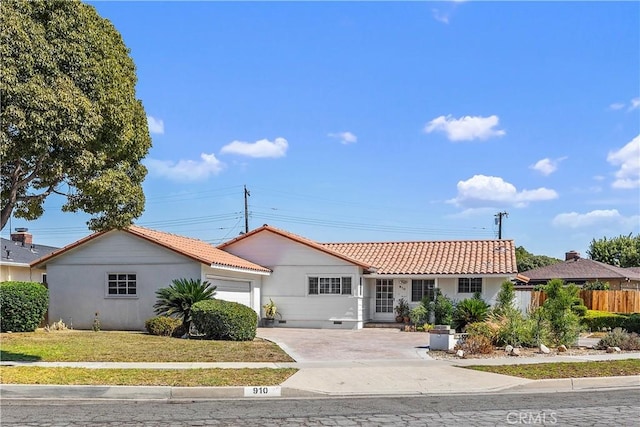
24 305
224 320
164 326
632 323
595 320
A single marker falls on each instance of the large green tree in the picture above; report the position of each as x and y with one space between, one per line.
70 120
622 251
525 260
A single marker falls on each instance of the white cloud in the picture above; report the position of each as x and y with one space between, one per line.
345 137
186 170
262 148
466 128
634 103
440 16
155 125
485 191
628 158
601 218
616 106
547 166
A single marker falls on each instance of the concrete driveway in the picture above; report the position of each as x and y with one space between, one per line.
331 345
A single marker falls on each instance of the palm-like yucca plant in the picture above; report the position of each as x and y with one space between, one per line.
176 300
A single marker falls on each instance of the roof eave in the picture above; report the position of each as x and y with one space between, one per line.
239 269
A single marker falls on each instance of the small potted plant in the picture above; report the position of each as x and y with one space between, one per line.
270 313
402 311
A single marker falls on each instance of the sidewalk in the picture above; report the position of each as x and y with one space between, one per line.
342 378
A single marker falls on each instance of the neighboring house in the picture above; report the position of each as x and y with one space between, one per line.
116 274
580 271
18 253
314 285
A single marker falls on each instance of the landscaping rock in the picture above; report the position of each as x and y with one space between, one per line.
562 348
515 352
544 349
613 350
508 349
617 349
460 353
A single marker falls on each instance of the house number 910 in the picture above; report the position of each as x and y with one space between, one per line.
273 391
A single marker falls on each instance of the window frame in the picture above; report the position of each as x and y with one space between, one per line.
329 285
127 284
423 285
471 285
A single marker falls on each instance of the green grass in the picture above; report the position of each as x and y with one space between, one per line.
541 371
145 377
88 346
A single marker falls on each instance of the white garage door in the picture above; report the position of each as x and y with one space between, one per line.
233 290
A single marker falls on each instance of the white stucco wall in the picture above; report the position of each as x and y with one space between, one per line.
292 263
19 273
77 281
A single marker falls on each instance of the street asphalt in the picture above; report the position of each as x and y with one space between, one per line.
351 365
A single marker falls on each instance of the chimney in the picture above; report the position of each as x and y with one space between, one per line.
23 236
571 256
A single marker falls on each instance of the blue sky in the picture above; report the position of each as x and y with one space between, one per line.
357 121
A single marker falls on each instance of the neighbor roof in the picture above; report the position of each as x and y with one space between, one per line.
434 257
581 269
195 249
23 254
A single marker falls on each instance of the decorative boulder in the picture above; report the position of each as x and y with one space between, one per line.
508 349
460 353
562 348
544 349
613 350
515 352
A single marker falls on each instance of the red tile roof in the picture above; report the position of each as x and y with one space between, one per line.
195 249
434 257
299 239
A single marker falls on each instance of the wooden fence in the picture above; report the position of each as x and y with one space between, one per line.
613 301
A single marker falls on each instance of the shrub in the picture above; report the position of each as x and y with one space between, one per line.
442 308
162 325
632 323
177 300
505 298
620 338
595 320
476 344
224 320
469 310
579 310
24 305
516 330
596 286
564 324
485 329
419 314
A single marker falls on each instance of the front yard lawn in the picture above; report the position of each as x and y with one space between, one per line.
89 346
145 377
541 371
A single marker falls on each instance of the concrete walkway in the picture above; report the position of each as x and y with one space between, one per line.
340 363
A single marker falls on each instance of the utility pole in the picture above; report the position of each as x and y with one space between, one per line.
499 216
246 209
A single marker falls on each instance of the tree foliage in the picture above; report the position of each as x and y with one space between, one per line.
526 261
70 120
622 251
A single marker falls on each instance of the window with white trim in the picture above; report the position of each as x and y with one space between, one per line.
469 285
329 285
421 288
122 284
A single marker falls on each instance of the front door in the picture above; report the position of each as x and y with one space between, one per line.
384 299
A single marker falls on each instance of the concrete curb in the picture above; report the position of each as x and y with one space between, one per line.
76 392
